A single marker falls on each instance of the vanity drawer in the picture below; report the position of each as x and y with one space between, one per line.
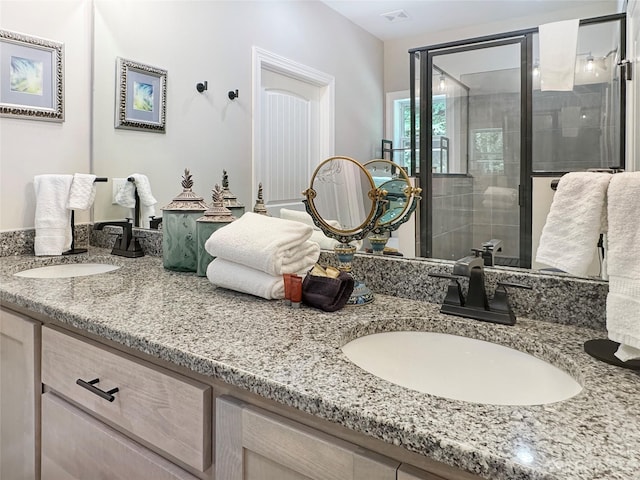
159 407
76 446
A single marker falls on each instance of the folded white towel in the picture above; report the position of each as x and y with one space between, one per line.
500 197
623 267
52 217
83 191
269 244
574 223
126 197
324 242
240 278
558 48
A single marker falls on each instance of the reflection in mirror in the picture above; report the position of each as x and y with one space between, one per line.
401 198
342 189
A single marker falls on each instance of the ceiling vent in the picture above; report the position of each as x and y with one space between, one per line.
396 16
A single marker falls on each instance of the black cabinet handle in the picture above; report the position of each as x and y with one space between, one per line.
108 395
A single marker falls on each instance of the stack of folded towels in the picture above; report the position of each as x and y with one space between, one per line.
252 253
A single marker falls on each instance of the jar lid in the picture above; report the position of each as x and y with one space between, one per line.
228 198
259 207
217 212
187 200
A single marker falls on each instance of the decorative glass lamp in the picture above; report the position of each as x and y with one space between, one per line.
230 201
214 218
179 237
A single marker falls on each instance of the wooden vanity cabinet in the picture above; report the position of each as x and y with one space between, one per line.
76 446
20 390
253 444
109 415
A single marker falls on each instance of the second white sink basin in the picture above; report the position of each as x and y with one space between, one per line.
461 368
67 270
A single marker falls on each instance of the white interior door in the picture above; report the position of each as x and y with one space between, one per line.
293 127
289 139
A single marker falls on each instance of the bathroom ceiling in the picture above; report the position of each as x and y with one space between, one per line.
389 19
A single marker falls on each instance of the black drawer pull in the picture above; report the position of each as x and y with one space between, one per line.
101 393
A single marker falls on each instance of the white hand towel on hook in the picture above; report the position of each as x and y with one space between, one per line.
271 245
83 191
52 218
240 278
574 223
623 299
558 48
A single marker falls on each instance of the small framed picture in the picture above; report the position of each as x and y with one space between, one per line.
141 96
31 77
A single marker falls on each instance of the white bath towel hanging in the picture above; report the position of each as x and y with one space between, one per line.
83 191
558 48
240 278
574 223
269 244
126 197
623 299
52 217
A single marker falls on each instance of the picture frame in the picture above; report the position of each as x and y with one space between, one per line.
31 77
141 96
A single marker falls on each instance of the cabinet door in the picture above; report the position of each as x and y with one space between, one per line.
76 446
253 444
20 390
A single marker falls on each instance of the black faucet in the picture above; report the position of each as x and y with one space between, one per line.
126 244
154 222
489 250
476 305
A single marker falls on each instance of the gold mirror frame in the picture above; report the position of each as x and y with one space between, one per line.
376 195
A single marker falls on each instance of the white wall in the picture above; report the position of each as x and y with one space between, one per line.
195 41
30 147
212 40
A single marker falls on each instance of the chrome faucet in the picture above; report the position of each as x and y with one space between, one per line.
126 245
476 304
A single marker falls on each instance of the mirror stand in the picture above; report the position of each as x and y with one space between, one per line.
361 294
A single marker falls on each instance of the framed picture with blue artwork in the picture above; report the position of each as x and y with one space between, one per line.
141 96
31 77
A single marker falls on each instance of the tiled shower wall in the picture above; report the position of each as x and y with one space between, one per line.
452 216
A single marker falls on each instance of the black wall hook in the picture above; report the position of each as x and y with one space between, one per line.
233 95
201 87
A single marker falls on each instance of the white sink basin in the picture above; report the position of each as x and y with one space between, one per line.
67 270
461 368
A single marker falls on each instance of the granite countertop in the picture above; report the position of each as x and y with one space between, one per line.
294 357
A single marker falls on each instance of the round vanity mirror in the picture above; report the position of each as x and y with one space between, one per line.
343 199
393 179
401 200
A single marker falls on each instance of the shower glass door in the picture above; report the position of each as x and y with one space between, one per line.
471 158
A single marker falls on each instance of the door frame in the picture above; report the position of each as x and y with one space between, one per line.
265 60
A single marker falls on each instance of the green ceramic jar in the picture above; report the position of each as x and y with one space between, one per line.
179 236
213 219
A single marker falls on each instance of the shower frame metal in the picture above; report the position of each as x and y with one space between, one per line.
421 155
